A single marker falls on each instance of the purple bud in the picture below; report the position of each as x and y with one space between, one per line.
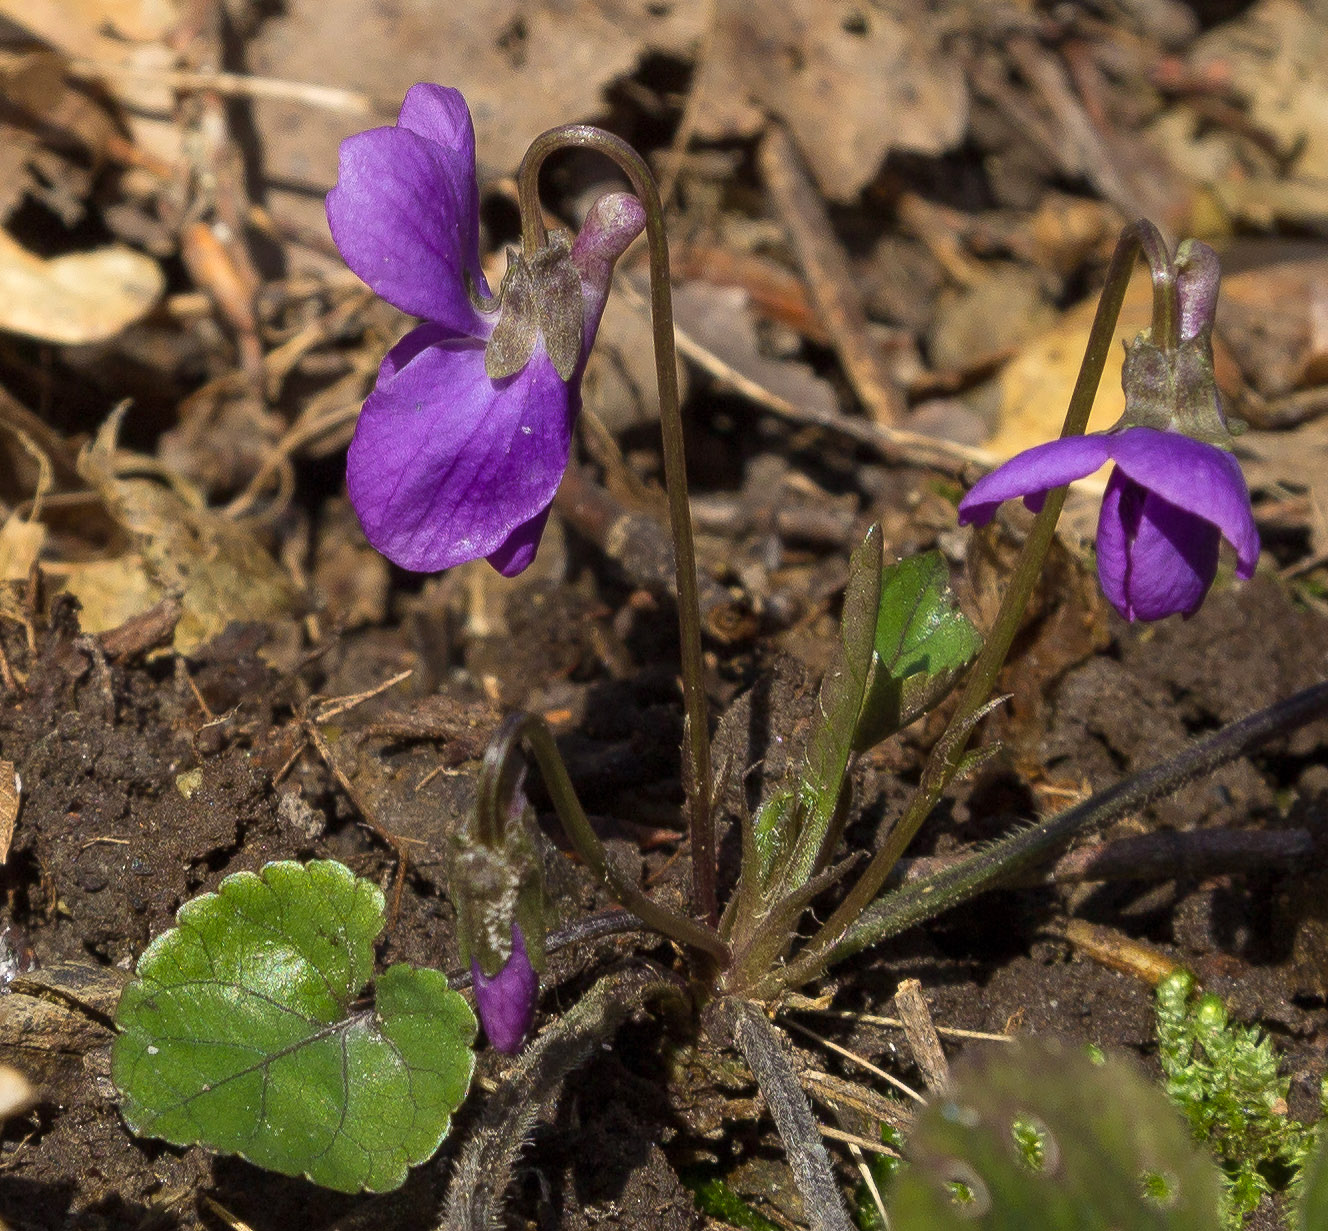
506 1002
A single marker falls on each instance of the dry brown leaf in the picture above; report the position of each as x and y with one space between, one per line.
77 298
22 538
11 791
523 65
220 572
851 81
125 34
1276 55
93 27
1275 321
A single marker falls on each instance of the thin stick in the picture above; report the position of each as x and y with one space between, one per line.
235 85
696 735
993 864
861 1061
829 279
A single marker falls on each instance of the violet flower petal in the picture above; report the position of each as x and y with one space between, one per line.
506 1003
1032 474
1199 478
405 210
447 465
610 226
1153 559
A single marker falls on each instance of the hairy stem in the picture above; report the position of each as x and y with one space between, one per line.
947 756
700 791
925 898
485 1168
535 734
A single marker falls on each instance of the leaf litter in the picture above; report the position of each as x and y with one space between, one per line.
182 580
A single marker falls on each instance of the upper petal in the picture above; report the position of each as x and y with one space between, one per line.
1200 478
446 464
1032 474
1154 559
405 210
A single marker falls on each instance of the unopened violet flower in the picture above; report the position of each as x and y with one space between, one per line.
506 1002
1176 490
462 443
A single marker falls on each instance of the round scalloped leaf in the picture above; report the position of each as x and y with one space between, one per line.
243 1033
1038 1135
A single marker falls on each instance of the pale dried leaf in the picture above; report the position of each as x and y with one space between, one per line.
523 65
21 542
11 790
851 81
15 1091
1276 55
721 318
216 566
77 298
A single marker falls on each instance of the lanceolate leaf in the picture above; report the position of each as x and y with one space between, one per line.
244 1032
922 642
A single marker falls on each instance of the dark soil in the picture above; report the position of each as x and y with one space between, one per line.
155 765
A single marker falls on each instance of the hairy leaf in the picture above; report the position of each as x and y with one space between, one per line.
1040 1136
243 1033
922 642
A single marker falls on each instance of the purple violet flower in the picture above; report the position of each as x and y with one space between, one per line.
1168 504
450 462
506 1003
1176 491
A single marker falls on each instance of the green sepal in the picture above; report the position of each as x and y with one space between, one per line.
540 296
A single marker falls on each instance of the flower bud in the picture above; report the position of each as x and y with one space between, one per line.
496 883
506 1002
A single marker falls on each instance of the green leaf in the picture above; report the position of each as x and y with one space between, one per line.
1036 1135
1314 1188
922 642
243 1033
840 701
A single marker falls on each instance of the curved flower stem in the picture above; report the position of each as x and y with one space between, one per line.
696 737
947 756
534 732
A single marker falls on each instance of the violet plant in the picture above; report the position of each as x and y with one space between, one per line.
457 456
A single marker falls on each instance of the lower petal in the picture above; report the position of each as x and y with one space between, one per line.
517 554
1202 479
447 465
1154 559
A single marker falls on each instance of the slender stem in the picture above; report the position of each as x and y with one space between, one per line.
927 897
947 755
534 732
696 738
